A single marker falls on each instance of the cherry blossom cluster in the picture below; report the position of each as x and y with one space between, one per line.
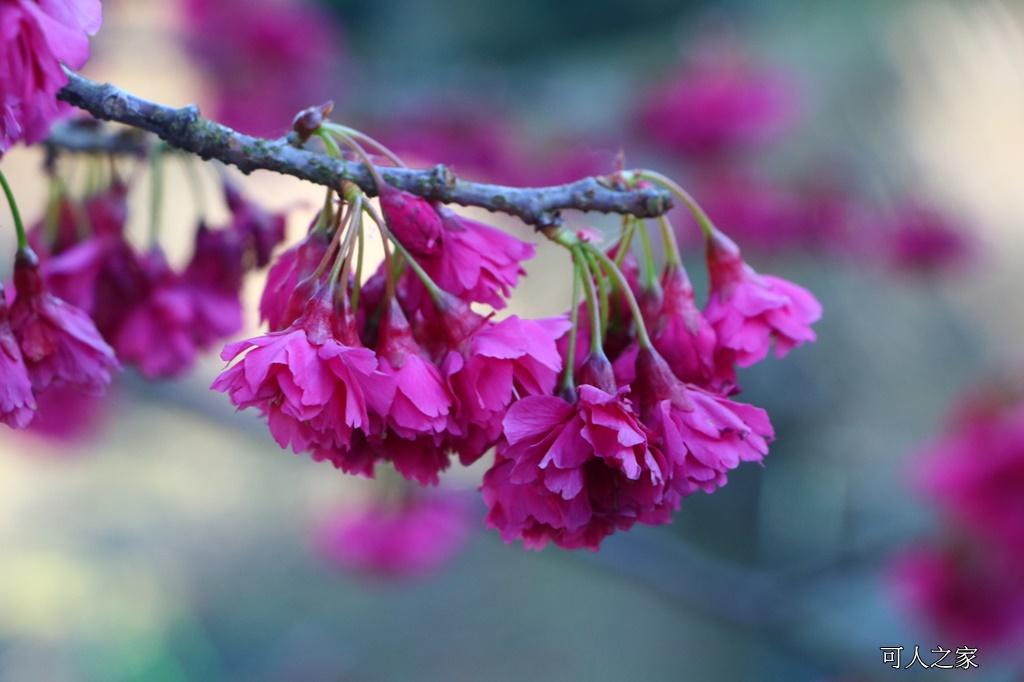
87 300
969 583
600 418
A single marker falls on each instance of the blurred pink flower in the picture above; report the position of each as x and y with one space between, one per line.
977 477
36 36
417 535
268 60
17 403
923 239
964 593
66 415
718 102
59 342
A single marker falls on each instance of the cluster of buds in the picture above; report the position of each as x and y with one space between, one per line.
88 301
600 418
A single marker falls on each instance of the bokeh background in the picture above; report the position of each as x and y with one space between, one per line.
175 541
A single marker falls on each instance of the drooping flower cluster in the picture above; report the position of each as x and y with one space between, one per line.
600 419
155 317
970 585
36 37
391 369
85 301
650 420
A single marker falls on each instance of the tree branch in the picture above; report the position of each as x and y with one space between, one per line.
185 129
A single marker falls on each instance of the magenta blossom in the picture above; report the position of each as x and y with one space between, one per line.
314 388
412 538
574 473
213 283
35 37
684 337
488 367
59 342
156 334
282 298
923 239
418 415
260 230
718 104
413 221
476 262
964 592
66 415
748 310
703 435
977 475
17 402
268 60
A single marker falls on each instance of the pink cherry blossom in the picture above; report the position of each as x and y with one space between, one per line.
748 310
411 538
66 415
487 366
718 103
703 435
962 592
35 37
683 336
412 220
291 269
574 473
157 333
313 388
418 415
267 60
17 402
977 477
476 262
59 342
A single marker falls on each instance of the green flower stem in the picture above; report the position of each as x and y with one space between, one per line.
620 279
436 292
195 184
339 129
568 383
596 332
650 280
357 284
625 240
604 291
323 221
668 235
156 198
333 247
706 226
19 227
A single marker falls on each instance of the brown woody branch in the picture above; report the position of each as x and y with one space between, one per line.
185 129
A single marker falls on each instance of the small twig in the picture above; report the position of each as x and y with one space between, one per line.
185 129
